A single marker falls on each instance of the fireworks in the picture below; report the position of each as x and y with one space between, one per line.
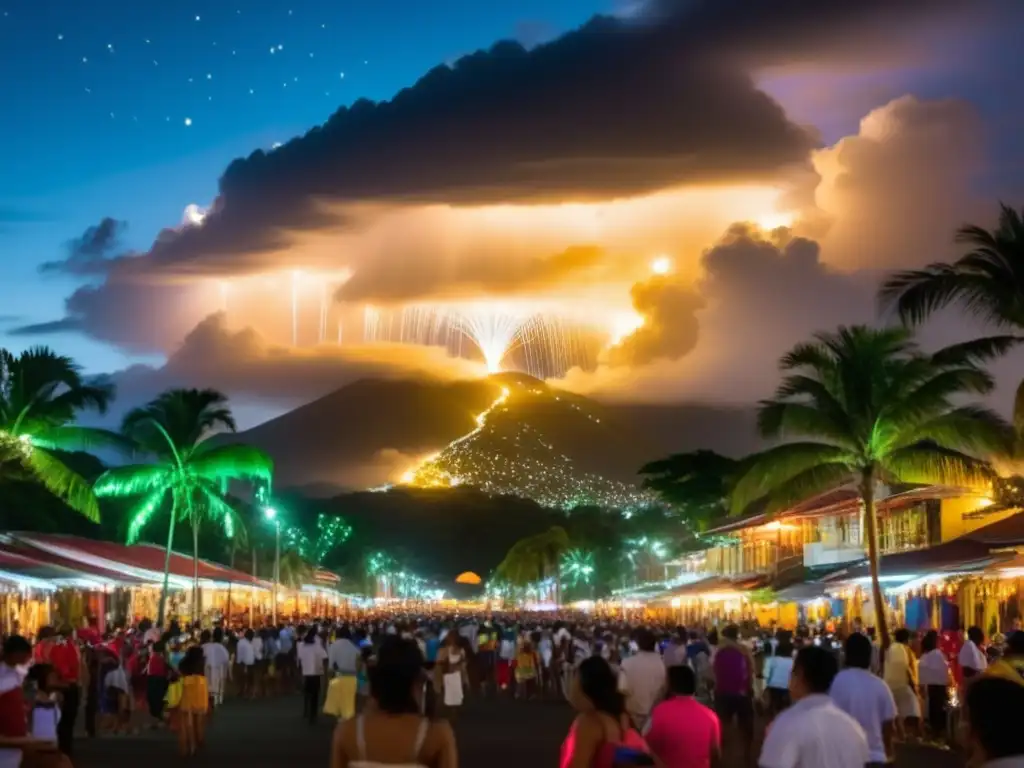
526 337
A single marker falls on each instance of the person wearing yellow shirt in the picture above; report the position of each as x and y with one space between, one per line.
194 703
1011 665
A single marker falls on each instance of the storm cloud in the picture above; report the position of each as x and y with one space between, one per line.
90 253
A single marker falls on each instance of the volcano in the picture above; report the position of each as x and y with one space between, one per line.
507 434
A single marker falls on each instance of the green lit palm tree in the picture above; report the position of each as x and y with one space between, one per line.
531 559
41 393
869 408
987 282
295 570
187 468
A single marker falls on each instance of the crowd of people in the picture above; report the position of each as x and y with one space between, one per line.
645 694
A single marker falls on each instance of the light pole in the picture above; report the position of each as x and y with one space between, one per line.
271 514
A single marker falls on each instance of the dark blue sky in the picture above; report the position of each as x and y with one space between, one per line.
96 97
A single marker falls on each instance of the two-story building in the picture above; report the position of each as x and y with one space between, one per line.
769 559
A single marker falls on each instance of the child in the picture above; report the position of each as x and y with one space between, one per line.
526 670
45 715
116 699
195 702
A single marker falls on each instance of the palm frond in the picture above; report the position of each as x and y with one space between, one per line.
976 352
812 482
74 438
930 464
133 479
64 483
235 461
144 512
776 466
781 419
969 428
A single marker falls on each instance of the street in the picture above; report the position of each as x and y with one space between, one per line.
495 734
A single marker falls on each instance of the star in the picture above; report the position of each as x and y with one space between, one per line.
251 91
110 47
60 36
280 47
273 50
188 121
197 17
311 54
209 76
156 63
342 75
85 59
147 41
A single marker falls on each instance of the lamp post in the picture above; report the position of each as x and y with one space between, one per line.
271 515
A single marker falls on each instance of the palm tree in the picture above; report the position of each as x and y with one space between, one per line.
295 570
186 467
531 559
872 409
987 282
696 483
41 393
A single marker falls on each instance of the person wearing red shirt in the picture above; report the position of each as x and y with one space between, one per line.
67 662
14 738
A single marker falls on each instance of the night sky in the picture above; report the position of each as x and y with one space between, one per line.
872 132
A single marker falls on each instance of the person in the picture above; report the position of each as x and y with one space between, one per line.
217 661
116 693
15 740
777 670
642 678
933 675
682 732
602 735
900 674
814 732
67 663
157 680
394 732
450 674
866 698
527 670
972 659
506 655
734 687
284 662
194 704
993 730
44 717
1011 665
245 660
675 651
311 658
343 660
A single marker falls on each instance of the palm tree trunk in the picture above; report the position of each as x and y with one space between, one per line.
167 567
195 571
227 617
867 492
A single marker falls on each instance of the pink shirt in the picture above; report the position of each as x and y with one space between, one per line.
681 732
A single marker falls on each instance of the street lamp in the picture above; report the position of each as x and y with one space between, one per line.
271 514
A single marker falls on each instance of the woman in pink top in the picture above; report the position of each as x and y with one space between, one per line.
682 732
601 736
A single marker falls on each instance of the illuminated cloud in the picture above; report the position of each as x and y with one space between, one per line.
91 253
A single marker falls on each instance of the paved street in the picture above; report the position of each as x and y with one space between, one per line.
491 734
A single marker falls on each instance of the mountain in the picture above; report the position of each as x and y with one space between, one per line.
507 433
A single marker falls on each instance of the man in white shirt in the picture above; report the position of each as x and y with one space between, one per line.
343 656
972 660
675 651
311 660
814 732
866 698
643 679
217 661
245 658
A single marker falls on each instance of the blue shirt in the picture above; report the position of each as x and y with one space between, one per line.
433 645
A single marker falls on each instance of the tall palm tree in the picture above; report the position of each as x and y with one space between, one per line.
189 469
41 393
987 282
531 559
870 408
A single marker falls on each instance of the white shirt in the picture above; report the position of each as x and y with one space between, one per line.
216 655
43 722
869 701
777 670
116 678
675 655
257 648
814 733
311 658
643 679
900 666
244 653
972 657
343 655
933 669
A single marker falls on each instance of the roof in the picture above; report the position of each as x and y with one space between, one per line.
956 555
846 500
25 562
714 584
1007 532
142 561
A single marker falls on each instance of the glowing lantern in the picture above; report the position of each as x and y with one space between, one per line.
467 577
